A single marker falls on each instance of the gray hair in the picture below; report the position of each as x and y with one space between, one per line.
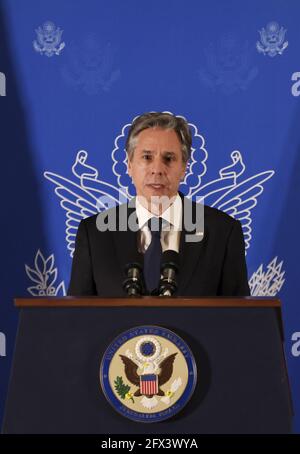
161 120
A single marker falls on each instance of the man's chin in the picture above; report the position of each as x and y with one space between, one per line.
157 201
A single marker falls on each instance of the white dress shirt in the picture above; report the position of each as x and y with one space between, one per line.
171 226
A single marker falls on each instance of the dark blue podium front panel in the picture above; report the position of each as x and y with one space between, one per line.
242 380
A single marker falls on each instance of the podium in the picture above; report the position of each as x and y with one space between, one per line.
242 384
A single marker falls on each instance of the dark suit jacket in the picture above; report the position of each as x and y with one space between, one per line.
214 266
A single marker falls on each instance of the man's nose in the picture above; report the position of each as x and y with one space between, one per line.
157 167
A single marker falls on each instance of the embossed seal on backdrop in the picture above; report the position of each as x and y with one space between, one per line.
272 40
48 40
148 373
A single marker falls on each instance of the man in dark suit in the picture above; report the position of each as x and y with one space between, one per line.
211 264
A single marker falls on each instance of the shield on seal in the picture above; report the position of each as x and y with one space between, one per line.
148 384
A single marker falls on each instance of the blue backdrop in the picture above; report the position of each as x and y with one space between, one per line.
75 73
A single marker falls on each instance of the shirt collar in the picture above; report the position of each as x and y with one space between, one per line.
173 214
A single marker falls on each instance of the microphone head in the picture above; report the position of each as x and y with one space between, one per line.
133 283
133 265
169 270
170 259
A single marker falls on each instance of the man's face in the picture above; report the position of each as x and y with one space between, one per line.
156 166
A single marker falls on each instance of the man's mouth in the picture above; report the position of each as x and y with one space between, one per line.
156 185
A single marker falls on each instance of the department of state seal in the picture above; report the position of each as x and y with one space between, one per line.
148 373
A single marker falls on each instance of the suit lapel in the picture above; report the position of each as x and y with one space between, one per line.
190 253
126 242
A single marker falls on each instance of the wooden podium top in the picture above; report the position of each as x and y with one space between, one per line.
147 301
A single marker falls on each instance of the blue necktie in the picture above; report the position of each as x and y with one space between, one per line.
152 256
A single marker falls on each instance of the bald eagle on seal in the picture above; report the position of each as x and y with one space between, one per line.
166 371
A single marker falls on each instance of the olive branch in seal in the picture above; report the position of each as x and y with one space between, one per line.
122 389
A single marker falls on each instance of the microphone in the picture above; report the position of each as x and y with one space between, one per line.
133 281
169 270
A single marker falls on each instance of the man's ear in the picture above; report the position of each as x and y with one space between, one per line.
129 167
184 170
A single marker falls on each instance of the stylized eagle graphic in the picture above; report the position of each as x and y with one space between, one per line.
87 194
166 371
